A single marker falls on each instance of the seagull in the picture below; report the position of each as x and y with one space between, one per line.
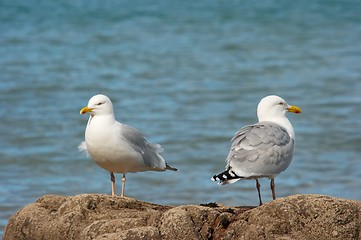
117 147
264 149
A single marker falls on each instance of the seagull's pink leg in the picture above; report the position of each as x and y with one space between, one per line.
123 185
259 192
112 178
273 188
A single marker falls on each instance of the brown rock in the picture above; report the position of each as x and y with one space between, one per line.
301 217
91 216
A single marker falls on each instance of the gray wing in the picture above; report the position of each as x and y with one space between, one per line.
263 149
150 152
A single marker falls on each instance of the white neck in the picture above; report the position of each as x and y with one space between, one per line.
282 121
104 118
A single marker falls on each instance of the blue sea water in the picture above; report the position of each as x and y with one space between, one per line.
188 74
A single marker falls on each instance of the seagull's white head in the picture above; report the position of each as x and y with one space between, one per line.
273 107
98 105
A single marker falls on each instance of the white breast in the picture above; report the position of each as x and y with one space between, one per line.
109 150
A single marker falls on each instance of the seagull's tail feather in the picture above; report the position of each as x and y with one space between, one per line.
156 147
82 148
226 177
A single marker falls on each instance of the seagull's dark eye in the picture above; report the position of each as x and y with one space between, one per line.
101 103
281 103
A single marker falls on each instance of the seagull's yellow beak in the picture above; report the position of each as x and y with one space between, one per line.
86 110
294 109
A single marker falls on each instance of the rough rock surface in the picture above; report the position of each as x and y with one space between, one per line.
91 216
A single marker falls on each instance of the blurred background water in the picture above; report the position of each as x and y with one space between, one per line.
187 73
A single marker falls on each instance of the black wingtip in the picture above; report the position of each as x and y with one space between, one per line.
215 178
225 176
167 167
